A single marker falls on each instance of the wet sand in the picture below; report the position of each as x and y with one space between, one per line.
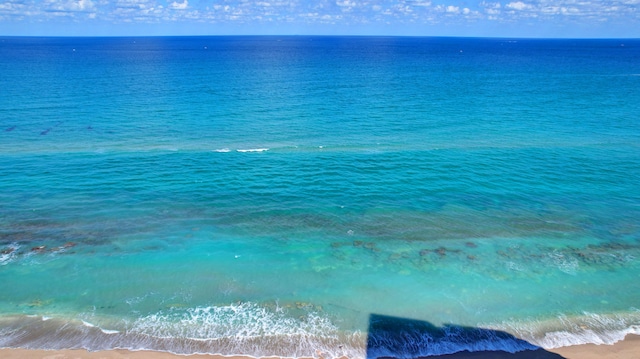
626 349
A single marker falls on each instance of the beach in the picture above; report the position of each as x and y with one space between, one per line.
629 348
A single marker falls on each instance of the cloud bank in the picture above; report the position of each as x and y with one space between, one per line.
326 12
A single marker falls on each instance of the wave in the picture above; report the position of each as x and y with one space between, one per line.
261 331
564 330
89 325
254 150
8 254
245 328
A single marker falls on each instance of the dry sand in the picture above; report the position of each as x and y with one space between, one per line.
626 349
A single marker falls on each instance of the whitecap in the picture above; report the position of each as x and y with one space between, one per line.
246 328
515 266
9 254
565 264
87 324
222 150
254 150
107 331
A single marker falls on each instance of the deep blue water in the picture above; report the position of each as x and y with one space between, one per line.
270 195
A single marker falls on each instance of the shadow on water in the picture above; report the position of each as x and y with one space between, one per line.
392 337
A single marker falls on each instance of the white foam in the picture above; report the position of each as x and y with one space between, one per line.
254 150
565 263
236 320
259 331
588 328
515 266
247 329
587 336
87 324
107 331
222 150
8 257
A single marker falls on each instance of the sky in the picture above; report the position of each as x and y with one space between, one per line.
492 18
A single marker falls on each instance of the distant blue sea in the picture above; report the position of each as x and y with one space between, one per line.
278 195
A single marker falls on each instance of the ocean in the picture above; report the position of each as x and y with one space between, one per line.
318 196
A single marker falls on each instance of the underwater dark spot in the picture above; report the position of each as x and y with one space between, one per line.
395 256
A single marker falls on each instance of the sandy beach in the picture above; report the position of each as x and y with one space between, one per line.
626 349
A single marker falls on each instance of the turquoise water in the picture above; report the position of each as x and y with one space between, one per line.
268 195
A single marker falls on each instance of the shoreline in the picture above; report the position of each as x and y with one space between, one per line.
629 348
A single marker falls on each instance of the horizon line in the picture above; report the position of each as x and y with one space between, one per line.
323 35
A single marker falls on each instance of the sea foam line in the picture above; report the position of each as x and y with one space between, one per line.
588 328
253 150
237 329
254 330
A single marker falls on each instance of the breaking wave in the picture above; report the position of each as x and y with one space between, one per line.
261 331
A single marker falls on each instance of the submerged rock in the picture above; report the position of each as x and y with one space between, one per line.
8 251
395 256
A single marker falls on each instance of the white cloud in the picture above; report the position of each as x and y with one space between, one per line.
70 6
11 6
12 10
519 5
448 9
339 12
346 3
179 6
132 4
419 3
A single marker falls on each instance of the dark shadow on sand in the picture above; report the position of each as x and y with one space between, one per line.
392 337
